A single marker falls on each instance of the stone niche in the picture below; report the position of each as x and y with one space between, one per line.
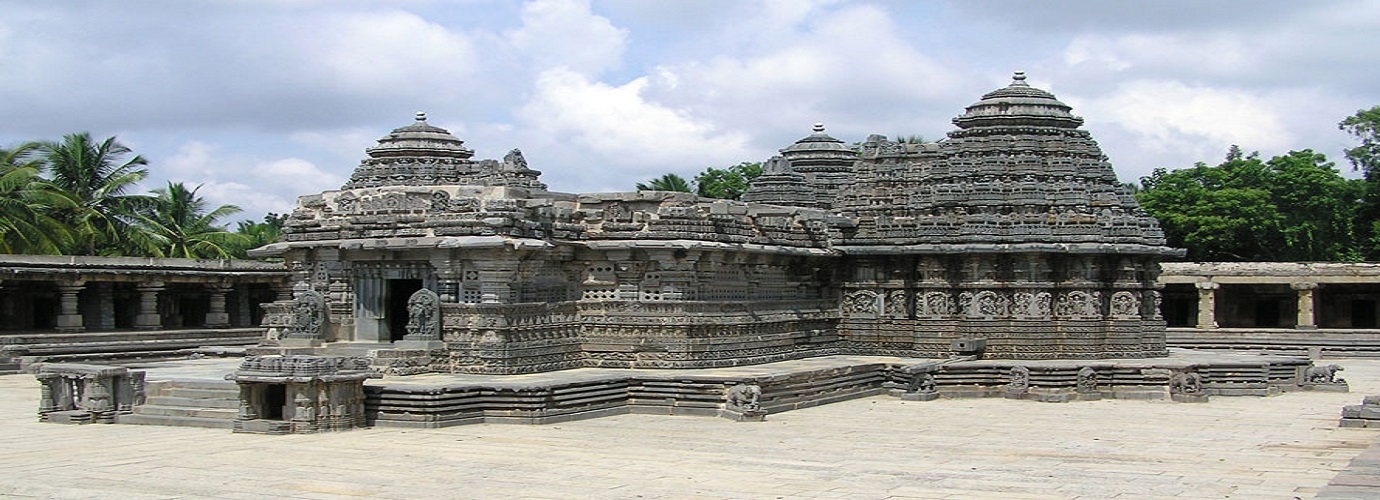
301 394
81 394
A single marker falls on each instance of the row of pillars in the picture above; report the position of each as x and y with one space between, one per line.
1207 305
69 307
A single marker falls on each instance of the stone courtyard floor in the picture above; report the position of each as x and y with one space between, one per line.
880 447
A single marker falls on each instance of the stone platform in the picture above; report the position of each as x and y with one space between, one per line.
441 400
873 447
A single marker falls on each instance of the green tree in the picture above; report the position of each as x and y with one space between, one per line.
668 182
177 224
97 175
1365 157
729 183
27 204
257 234
1292 207
1365 126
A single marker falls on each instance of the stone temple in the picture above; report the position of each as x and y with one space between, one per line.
1009 239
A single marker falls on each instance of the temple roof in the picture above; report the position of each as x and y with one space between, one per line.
420 139
1018 104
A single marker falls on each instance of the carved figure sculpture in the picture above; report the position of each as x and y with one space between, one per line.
922 383
744 397
423 315
1324 374
1186 383
1087 379
308 315
1125 305
1020 379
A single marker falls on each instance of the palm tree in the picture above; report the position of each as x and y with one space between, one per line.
97 175
668 182
257 234
177 225
27 204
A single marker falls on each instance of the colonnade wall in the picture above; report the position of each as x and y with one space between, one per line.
77 294
1268 295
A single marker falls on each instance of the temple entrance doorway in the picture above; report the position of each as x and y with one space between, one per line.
397 293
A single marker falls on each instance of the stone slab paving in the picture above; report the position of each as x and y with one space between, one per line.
1246 447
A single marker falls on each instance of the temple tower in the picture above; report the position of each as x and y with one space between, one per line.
1014 230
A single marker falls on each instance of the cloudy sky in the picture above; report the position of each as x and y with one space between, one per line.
263 100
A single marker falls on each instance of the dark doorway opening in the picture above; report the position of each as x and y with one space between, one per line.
1363 314
275 398
193 309
45 313
398 293
1267 313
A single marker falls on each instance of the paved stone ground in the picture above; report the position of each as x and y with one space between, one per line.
1279 447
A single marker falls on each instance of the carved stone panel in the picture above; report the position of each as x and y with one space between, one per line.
423 316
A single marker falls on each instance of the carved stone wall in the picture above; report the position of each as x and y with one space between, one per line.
1014 230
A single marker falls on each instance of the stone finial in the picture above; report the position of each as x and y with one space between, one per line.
1018 78
421 116
818 128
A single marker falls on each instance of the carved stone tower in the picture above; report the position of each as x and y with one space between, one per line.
1014 230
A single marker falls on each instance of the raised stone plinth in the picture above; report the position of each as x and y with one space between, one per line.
300 394
1366 414
73 393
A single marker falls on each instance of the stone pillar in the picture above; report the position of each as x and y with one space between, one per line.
244 315
1207 305
105 306
69 314
148 317
217 317
1305 311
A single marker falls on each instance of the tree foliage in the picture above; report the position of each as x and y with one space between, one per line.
72 197
27 204
1365 127
179 224
729 183
98 175
668 182
1292 207
257 234
1365 157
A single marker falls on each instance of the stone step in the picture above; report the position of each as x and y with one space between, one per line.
182 411
200 393
176 421
193 402
160 385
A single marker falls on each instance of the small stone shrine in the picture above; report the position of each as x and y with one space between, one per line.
1010 239
74 393
300 394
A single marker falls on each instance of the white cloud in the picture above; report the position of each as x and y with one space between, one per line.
1170 115
564 33
847 67
385 52
255 185
620 126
